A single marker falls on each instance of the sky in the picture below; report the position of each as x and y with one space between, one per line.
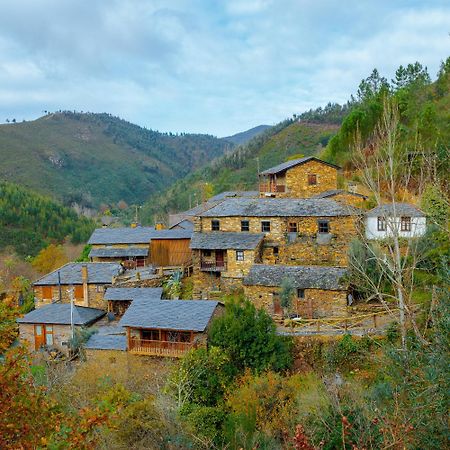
206 66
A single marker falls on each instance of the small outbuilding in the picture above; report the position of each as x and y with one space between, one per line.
50 326
119 299
319 290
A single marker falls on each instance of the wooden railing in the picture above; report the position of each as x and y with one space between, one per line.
158 348
213 266
271 187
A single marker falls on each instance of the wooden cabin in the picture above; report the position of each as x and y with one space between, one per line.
84 282
50 326
167 327
298 178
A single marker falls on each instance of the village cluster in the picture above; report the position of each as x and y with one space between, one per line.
298 226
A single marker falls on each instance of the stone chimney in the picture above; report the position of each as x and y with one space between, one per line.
85 280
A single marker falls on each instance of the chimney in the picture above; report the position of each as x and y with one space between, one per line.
352 187
85 280
159 226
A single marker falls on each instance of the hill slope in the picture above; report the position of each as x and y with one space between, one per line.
245 136
96 158
238 169
28 221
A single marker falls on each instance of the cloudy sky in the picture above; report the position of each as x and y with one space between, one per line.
206 66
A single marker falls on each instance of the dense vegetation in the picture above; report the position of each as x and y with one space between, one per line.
29 222
97 158
244 136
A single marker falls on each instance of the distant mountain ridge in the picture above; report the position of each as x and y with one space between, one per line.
90 159
245 136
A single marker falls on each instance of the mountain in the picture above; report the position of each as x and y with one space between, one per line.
29 221
238 170
91 159
245 136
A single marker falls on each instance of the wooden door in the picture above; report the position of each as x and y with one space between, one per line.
39 336
277 309
220 259
79 292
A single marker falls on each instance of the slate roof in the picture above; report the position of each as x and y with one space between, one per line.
220 240
228 194
108 252
185 315
59 314
295 162
333 192
184 224
138 235
98 273
280 207
402 209
105 341
303 277
124 294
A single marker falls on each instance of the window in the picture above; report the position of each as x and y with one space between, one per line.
49 335
207 253
239 255
312 179
405 223
300 293
245 225
179 336
150 335
99 288
324 226
47 292
381 224
292 227
215 225
265 226
275 251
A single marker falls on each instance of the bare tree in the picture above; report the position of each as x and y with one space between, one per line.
386 167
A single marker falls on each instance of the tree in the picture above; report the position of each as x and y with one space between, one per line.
412 74
287 294
249 336
50 258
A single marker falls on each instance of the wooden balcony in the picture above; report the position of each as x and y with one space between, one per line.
158 348
213 266
271 187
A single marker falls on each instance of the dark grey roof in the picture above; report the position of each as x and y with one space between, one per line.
333 192
138 235
303 277
187 315
295 162
220 240
108 252
100 341
59 314
280 207
124 294
228 194
401 209
98 273
185 224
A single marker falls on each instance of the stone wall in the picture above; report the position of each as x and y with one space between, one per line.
95 295
317 302
61 333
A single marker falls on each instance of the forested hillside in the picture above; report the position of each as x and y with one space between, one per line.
29 222
91 159
244 136
238 170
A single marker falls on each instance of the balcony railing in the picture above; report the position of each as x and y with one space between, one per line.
213 266
158 348
271 187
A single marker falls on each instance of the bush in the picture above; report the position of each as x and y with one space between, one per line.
346 353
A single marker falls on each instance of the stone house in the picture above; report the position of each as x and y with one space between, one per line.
50 326
141 246
402 218
221 259
85 282
119 299
319 291
167 327
298 178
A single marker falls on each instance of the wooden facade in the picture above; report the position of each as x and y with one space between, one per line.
170 252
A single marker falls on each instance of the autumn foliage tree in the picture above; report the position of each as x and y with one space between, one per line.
50 258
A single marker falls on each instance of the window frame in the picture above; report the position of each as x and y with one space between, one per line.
240 255
207 253
265 226
312 179
321 224
405 223
247 226
215 225
300 293
292 227
381 223
49 333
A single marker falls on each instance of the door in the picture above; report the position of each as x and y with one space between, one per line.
39 336
220 259
277 309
